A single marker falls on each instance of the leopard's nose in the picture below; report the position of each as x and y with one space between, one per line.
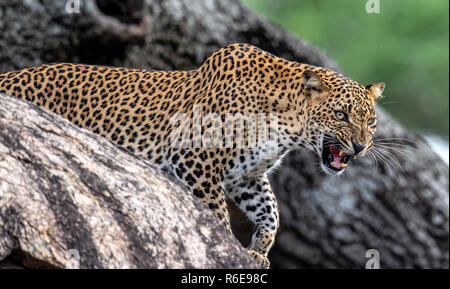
357 147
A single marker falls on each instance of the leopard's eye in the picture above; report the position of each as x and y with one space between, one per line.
371 121
341 115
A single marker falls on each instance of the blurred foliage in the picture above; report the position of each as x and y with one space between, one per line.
406 45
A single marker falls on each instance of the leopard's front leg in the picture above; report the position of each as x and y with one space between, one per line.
255 198
203 180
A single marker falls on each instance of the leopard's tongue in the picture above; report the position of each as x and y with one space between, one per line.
337 156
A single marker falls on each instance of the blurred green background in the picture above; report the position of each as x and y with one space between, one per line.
406 45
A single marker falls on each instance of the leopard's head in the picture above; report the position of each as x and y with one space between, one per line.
341 119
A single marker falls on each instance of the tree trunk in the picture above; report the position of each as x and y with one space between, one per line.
399 207
69 198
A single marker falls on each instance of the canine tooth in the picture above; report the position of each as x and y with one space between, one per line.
341 153
342 165
333 164
356 156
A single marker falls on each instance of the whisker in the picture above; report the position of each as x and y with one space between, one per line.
382 158
396 139
396 143
337 178
389 102
387 160
402 147
393 158
373 159
402 151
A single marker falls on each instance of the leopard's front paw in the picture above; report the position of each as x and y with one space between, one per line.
262 260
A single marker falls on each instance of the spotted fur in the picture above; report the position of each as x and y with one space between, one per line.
134 109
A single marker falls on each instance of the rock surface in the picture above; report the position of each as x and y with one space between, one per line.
70 199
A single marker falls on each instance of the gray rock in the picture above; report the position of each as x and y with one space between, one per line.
71 199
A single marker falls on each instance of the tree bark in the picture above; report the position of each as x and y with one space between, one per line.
71 199
325 222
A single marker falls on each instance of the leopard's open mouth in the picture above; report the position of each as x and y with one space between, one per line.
333 157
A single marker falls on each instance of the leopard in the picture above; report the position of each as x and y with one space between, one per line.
178 121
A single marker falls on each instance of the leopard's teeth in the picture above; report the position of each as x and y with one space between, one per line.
341 153
334 164
356 156
342 165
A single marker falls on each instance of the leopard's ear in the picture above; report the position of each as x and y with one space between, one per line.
312 83
376 89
